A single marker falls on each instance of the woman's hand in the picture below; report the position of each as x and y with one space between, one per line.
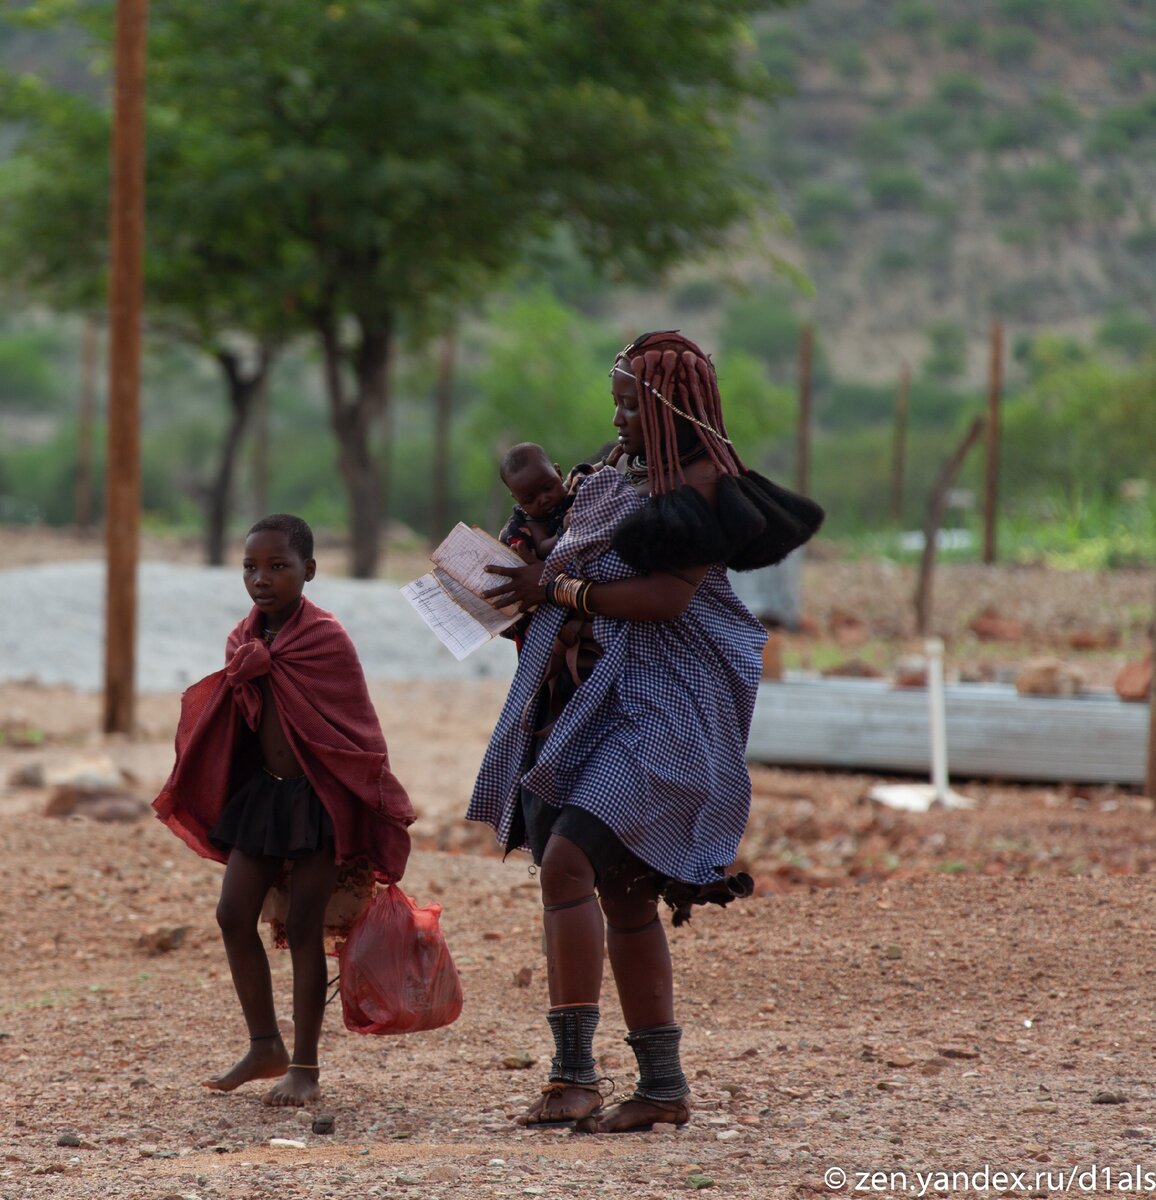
522 586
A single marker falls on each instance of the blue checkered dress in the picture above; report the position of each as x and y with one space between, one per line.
653 742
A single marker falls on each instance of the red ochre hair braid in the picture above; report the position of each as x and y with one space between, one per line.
669 367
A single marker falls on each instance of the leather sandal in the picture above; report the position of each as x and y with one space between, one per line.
550 1109
639 1114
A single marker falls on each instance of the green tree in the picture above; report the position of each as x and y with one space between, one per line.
370 164
200 290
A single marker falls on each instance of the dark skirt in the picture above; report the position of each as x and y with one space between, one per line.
270 817
601 845
536 821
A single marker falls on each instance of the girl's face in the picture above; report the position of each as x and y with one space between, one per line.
275 575
627 416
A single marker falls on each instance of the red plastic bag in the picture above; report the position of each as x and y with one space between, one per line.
397 975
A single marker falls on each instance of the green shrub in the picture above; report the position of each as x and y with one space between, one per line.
893 259
1082 15
1025 12
1134 69
1012 47
1122 130
822 212
915 16
961 91
1128 332
765 326
882 142
966 34
947 351
848 59
896 188
697 295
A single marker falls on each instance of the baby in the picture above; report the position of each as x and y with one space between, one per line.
541 500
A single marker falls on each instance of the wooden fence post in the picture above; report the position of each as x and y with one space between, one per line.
899 445
803 463
991 475
935 508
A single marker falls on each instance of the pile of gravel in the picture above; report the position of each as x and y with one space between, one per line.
52 627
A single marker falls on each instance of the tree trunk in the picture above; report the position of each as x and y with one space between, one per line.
352 414
443 414
243 392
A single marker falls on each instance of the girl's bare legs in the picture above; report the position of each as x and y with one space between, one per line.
310 887
247 879
574 937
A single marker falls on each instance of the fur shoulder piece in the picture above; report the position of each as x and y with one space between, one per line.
755 523
789 520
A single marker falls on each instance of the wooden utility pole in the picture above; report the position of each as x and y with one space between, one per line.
803 465
899 446
85 418
443 412
125 292
991 476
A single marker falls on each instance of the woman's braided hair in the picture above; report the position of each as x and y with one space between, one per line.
677 392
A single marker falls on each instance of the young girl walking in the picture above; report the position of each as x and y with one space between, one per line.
281 762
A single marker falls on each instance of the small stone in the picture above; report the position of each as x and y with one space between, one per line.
283 1143
68 1139
699 1181
958 1052
324 1123
728 1135
1109 1098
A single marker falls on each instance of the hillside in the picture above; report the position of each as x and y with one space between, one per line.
948 164
941 165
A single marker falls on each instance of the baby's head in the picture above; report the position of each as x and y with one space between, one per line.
534 481
278 563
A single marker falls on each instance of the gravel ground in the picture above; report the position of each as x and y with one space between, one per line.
950 1003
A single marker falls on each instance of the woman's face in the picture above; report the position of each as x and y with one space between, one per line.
627 416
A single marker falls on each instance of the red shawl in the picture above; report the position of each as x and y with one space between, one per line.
329 721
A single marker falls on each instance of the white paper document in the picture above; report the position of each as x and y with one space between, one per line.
449 599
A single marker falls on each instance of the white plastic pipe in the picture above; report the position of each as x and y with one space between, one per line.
938 718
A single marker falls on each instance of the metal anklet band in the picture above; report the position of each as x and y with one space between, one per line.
569 903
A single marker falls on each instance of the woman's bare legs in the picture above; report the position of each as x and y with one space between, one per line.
310 887
247 879
640 960
574 937
573 925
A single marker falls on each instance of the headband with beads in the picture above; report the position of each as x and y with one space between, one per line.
621 370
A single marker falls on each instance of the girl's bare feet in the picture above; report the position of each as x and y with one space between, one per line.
299 1087
267 1059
